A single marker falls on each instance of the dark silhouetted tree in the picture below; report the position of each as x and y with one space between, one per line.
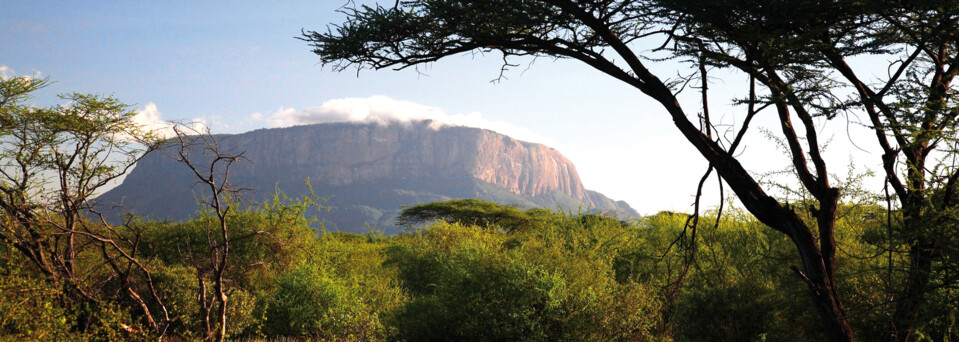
796 56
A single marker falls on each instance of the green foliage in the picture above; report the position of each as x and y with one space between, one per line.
738 312
540 285
472 212
53 160
454 25
179 288
741 287
84 144
28 307
33 309
342 291
287 279
268 240
561 277
307 302
464 287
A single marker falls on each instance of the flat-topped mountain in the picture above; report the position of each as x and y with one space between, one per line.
368 171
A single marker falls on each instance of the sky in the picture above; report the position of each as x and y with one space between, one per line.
237 66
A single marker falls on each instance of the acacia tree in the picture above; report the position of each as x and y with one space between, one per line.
52 163
911 109
469 212
796 55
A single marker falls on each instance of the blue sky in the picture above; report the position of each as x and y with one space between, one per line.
236 65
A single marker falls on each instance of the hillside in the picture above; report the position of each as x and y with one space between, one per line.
368 171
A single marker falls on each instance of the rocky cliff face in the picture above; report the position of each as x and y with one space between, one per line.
524 168
372 168
343 154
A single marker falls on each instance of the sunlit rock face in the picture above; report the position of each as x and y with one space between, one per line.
368 171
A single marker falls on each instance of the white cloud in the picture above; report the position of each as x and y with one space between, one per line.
382 110
6 72
151 119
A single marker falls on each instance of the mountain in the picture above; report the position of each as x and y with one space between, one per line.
368 171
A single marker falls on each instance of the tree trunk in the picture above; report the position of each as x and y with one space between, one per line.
817 265
204 305
909 302
818 275
221 312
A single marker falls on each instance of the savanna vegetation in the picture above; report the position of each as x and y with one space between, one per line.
472 271
463 270
827 261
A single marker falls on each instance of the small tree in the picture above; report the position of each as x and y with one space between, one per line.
202 154
467 212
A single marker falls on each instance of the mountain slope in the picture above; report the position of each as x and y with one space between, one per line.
368 171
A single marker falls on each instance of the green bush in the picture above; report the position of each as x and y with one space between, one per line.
307 302
472 284
473 292
29 310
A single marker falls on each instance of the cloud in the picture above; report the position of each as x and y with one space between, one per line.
383 110
376 109
5 72
151 119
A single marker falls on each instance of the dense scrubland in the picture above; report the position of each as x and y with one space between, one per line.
462 270
468 270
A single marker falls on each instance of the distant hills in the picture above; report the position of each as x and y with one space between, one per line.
369 171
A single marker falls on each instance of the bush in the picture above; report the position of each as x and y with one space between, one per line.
307 302
29 310
473 284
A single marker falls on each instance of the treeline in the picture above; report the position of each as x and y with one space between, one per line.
467 270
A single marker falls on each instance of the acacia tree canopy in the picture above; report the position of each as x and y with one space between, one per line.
468 212
796 55
53 160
